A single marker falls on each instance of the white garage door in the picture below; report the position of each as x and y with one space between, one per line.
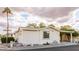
31 37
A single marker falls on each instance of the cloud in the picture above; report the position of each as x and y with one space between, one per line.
56 15
63 20
51 12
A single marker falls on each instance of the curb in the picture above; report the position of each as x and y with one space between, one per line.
33 47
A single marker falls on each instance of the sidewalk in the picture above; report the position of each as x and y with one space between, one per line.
35 47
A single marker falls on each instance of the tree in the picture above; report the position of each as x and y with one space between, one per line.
34 25
51 26
67 28
7 11
42 25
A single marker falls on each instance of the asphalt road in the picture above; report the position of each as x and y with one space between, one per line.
66 48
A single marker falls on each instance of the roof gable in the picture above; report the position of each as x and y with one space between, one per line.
40 29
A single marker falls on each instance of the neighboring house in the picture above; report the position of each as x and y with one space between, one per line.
76 39
27 35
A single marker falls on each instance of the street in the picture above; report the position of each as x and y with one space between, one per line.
66 48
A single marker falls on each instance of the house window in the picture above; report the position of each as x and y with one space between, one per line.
46 34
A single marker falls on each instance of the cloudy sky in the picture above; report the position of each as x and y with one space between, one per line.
23 15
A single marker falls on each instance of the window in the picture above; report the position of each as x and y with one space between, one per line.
45 34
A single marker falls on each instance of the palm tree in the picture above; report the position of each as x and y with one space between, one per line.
7 11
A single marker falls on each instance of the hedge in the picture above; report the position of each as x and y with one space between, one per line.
3 39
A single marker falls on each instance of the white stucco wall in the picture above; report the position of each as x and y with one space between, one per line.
53 36
36 37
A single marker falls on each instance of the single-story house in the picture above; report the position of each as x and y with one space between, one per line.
27 35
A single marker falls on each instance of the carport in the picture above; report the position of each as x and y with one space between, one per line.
70 35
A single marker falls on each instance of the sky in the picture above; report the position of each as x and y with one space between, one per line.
58 16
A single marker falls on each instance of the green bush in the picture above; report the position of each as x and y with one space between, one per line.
3 39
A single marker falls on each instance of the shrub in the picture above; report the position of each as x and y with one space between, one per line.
75 34
46 43
3 39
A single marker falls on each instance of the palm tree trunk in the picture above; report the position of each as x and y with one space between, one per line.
7 28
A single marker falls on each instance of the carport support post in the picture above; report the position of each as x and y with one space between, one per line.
71 37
